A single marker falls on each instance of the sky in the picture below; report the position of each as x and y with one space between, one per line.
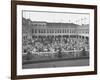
62 17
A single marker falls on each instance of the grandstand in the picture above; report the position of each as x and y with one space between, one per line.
50 38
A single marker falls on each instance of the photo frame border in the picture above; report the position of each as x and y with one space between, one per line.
14 39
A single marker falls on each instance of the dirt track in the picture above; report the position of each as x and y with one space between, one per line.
63 63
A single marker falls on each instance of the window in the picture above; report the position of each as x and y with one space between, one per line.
52 30
55 30
63 31
32 30
60 30
35 30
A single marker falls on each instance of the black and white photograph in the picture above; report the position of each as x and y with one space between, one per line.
54 39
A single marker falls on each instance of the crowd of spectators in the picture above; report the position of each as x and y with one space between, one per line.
54 43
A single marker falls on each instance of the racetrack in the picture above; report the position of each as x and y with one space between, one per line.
62 63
